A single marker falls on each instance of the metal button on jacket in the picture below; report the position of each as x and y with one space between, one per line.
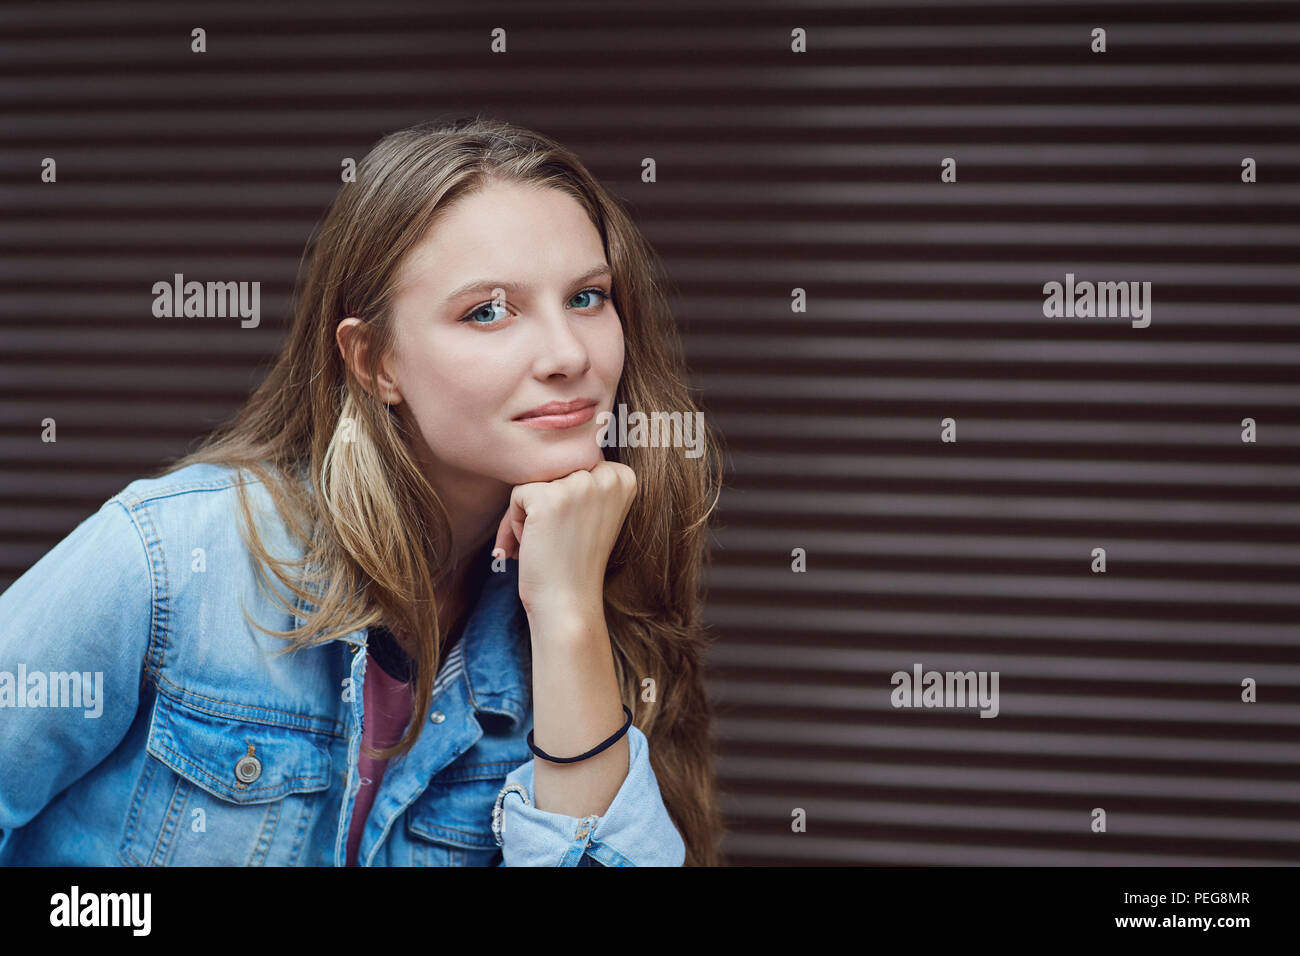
248 769
437 717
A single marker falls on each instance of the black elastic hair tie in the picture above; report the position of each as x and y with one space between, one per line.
590 753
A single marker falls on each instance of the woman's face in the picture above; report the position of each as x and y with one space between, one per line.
467 367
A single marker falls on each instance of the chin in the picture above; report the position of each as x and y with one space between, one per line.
559 463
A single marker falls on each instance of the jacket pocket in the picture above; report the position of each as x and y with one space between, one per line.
451 822
217 790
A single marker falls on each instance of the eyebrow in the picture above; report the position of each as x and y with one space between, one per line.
487 285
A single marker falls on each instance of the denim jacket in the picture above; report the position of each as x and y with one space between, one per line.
144 722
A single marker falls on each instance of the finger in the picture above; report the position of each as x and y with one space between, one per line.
606 478
510 532
504 539
517 530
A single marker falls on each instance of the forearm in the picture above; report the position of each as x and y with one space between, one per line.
576 705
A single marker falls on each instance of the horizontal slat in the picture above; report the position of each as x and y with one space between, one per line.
20 417
730 541
1083 586
236 378
1227 711
90 15
182 86
1038 352
1043 823
978 779
1010 391
750 621
998 743
777 505
655 37
738 426
875 667
1246 473
800 847
171 339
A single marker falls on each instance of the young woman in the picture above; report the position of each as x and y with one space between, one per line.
407 607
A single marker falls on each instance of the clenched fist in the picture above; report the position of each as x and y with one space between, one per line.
562 532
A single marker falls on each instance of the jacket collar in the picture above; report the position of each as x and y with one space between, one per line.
495 645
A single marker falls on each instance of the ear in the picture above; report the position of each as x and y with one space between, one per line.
352 336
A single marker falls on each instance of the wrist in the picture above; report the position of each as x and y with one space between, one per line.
575 620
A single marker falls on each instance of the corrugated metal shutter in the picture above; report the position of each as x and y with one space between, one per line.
775 171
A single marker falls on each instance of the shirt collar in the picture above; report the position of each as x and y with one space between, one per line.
496 645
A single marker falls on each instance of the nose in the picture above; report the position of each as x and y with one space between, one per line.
560 350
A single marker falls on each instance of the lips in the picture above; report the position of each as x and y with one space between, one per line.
556 408
559 416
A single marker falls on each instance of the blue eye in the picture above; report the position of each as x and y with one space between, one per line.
603 297
486 305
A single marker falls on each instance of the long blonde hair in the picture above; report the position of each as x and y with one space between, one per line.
339 466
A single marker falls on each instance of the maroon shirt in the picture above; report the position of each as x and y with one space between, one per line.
387 706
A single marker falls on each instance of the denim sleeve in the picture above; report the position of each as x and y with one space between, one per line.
635 831
78 623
